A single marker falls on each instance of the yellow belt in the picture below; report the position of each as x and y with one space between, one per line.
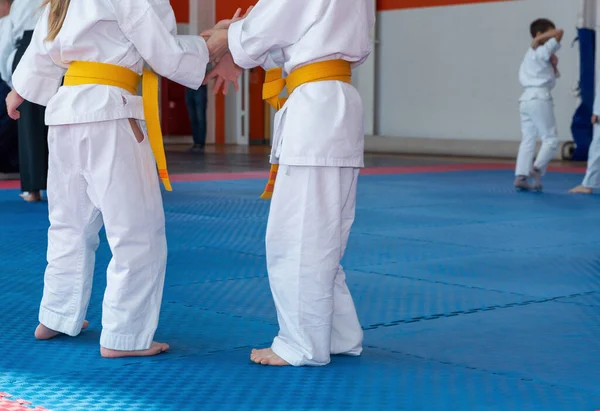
82 73
331 70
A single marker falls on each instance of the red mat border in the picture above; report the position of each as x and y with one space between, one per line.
249 175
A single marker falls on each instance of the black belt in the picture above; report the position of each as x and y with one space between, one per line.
24 40
21 45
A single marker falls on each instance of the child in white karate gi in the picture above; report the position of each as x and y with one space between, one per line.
538 74
591 181
32 131
318 144
102 169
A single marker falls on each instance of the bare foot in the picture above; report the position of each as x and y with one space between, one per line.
267 357
155 349
44 333
580 190
521 184
33 197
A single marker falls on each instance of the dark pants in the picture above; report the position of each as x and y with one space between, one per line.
196 101
33 136
9 148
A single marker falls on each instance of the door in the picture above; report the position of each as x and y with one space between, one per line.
174 114
257 107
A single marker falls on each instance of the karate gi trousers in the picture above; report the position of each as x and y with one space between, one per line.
537 121
311 214
592 174
99 173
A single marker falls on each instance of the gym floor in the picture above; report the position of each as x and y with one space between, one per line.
472 297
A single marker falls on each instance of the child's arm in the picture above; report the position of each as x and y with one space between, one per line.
150 25
554 62
272 25
545 37
273 60
550 47
37 78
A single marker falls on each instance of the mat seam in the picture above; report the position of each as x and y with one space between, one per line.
489 372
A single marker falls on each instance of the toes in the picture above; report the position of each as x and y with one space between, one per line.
158 348
257 359
44 333
155 350
256 354
265 356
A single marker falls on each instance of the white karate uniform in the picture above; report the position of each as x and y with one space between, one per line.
318 142
592 174
538 78
23 16
4 44
98 171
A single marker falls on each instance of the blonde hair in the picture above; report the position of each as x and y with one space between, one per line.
56 17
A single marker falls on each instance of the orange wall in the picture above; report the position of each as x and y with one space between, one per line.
226 8
414 4
182 10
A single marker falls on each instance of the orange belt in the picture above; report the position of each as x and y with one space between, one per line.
330 70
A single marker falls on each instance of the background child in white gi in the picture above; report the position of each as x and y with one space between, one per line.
318 143
102 169
591 180
32 130
538 74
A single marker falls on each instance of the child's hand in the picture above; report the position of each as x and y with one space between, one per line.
218 43
216 38
594 119
224 73
554 63
224 24
13 101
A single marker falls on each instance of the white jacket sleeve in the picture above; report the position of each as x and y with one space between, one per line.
546 51
151 27
7 47
596 109
273 60
271 25
37 78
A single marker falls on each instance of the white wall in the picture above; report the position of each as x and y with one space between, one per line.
202 17
363 78
452 72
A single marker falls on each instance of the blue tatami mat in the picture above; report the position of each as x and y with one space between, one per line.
473 297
